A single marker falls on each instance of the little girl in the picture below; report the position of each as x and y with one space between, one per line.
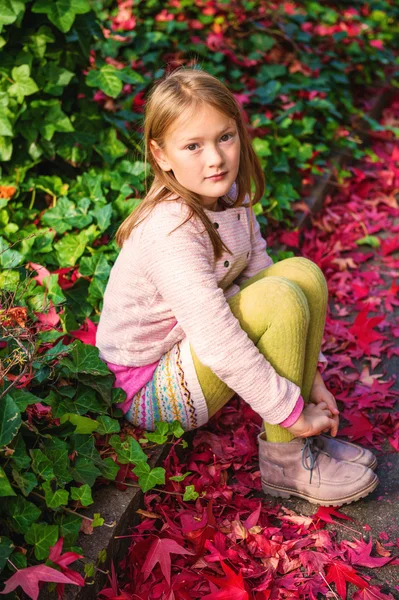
195 310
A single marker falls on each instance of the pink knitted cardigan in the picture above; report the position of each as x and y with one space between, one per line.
165 286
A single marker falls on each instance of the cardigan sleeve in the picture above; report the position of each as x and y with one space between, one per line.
259 258
181 267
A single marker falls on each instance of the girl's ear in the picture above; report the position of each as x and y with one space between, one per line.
159 156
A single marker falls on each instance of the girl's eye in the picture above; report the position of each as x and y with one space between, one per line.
190 147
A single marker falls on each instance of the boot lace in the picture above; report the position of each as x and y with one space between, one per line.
310 452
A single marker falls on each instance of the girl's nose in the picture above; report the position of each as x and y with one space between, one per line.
214 157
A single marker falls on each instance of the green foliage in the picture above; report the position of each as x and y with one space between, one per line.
73 76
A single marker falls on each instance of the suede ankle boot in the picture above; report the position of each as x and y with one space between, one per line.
343 450
300 468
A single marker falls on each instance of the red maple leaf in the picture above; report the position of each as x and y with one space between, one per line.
360 427
206 530
359 554
160 552
62 561
86 333
29 579
363 330
389 246
325 513
373 592
341 574
232 586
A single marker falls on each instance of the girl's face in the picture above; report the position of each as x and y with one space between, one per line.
198 146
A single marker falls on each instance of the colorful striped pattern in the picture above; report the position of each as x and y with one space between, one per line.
165 397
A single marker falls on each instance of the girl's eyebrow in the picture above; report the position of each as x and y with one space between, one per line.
185 140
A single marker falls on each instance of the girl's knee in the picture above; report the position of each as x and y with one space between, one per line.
306 273
285 295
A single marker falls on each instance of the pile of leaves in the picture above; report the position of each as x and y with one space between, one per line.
233 542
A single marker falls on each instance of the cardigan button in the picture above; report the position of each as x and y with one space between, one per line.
216 225
238 217
226 263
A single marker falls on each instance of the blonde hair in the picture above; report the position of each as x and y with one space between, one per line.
190 88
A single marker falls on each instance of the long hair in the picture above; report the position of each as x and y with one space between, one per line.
188 88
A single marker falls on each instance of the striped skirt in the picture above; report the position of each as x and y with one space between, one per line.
173 393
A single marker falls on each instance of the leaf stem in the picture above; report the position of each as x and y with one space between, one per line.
73 512
153 489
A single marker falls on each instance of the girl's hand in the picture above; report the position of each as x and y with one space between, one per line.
314 419
319 393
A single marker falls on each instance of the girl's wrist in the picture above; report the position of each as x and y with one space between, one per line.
294 415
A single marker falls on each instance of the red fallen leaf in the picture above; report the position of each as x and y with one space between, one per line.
87 336
373 592
63 560
360 427
252 520
218 549
232 586
359 554
205 530
341 574
389 246
42 272
160 552
362 330
313 561
112 593
326 512
50 319
29 579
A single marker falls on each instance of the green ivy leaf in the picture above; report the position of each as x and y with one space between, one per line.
84 471
61 13
70 248
69 527
20 458
180 477
190 493
6 149
83 425
110 147
23 398
56 451
98 521
109 469
22 513
10 11
9 258
160 435
5 486
5 126
85 359
10 420
149 478
107 425
369 240
54 496
106 79
42 536
82 494
6 545
24 84
25 480
41 465
128 450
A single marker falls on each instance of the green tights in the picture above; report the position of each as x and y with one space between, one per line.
283 311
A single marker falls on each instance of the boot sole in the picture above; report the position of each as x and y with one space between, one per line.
278 492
